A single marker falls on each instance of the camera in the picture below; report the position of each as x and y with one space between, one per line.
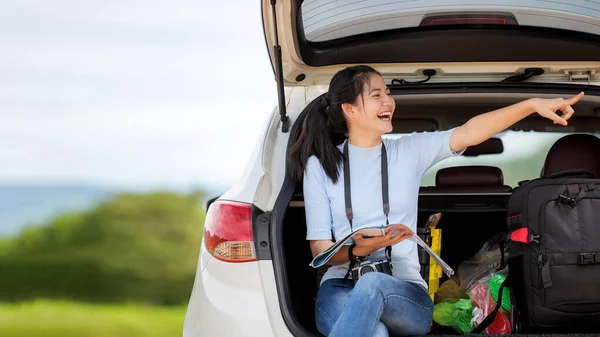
381 266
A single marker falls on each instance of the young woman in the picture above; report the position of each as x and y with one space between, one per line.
346 125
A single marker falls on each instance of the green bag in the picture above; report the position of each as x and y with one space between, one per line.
455 313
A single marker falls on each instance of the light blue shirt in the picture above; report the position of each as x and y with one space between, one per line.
409 157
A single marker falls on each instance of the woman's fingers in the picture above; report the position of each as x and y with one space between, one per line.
550 114
567 112
575 99
393 231
393 235
548 108
404 229
403 233
399 238
566 108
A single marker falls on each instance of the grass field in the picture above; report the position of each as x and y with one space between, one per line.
68 319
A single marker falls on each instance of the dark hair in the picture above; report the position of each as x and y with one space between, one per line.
324 125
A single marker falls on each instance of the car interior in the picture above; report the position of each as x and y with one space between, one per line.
472 198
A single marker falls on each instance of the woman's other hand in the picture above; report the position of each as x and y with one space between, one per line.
548 108
394 234
487 125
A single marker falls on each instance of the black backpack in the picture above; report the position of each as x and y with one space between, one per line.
554 252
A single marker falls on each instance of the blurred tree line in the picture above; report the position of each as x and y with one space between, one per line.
132 248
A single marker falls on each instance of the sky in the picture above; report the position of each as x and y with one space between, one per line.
130 92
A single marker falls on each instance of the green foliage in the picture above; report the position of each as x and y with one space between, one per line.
6 246
68 319
141 247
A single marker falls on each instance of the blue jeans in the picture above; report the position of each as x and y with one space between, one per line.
378 305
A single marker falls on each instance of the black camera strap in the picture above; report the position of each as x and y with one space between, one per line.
384 194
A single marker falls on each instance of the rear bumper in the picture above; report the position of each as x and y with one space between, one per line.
228 300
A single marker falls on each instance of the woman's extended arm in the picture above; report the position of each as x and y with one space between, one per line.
482 127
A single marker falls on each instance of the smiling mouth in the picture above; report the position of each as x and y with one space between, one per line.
385 116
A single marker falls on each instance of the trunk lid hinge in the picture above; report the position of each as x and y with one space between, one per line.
285 120
584 75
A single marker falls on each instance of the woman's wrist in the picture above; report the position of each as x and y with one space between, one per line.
359 252
531 104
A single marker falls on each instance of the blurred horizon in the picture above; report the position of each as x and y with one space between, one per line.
34 203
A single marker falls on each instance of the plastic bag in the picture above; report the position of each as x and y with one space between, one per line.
456 314
449 290
495 283
483 294
482 264
478 280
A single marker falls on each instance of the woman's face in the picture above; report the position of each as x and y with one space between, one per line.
373 111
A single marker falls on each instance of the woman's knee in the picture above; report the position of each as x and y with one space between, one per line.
386 283
409 314
371 285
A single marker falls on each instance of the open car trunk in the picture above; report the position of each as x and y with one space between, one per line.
469 218
466 226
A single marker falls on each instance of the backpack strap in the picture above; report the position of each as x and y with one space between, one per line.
492 315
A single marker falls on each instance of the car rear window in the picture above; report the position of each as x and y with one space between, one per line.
523 157
325 20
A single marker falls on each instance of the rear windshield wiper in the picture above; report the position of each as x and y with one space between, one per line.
526 74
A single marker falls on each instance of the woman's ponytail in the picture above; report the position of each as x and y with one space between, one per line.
315 139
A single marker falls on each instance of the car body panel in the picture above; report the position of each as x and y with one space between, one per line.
227 300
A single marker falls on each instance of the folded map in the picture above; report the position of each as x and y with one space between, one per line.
325 255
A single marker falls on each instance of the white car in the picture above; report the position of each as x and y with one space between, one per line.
444 61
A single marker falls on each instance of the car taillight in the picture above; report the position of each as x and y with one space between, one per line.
468 19
228 231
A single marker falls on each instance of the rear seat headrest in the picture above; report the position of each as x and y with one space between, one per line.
577 151
469 176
